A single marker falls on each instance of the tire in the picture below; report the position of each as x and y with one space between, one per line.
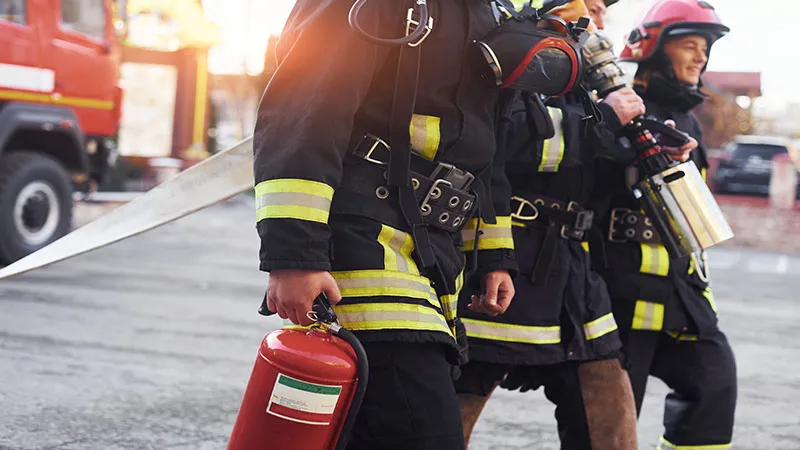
35 203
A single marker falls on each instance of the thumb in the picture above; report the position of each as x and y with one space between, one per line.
670 122
331 290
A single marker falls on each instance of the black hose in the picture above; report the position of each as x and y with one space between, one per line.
361 385
415 35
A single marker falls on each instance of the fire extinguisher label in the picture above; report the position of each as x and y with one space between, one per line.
303 402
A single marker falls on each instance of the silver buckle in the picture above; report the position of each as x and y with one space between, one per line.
612 228
425 207
522 204
410 21
570 207
368 156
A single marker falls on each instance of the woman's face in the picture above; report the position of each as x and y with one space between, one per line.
688 56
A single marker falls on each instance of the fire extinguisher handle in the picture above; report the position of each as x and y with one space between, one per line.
322 308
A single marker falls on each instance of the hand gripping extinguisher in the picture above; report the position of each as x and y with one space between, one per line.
305 389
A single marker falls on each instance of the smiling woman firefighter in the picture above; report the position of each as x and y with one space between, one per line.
664 306
372 153
559 333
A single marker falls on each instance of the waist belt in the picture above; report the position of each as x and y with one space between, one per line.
631 226
441 189
574 220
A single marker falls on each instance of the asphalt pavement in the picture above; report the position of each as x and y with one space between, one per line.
148 344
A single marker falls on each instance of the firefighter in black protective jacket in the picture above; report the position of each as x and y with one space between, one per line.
328 209
665 307
559 332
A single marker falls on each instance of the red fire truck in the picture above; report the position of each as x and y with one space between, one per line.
60 106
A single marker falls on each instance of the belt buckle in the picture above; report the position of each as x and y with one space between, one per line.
456 178
612 226
583 222
433 193
410 21
522 204
368 155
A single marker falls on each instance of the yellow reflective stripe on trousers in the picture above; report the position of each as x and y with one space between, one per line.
384 283
655 259
512 333
600 327
648 316
710 297
397 247
289 198
553 148
493 235
667 445
425 135
384 316
450 301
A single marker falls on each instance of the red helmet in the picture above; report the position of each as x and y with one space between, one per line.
669 18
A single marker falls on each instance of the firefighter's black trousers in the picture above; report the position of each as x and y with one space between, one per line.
701 373
410 403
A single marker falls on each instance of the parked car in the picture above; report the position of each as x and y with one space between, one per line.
745 165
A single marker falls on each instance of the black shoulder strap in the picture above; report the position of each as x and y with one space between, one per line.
399 171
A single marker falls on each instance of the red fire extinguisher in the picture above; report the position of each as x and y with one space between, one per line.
305 389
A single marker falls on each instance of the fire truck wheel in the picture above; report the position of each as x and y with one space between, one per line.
35 203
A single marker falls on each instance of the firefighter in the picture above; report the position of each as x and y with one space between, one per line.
665 307
333 202
559 332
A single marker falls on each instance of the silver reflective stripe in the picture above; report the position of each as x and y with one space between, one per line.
293 198
487 232
512 333
648 318
600 327
355 283
553 148
366 317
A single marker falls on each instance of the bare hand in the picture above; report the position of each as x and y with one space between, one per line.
290 293
498 290
680 154
626 103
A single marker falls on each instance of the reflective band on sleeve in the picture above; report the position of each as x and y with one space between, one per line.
450 301
655 259
553 148
600 327
512 333
289 198
425 135
397 247
648 316
383 316
667 445
585 246
379 283
710 297
493 235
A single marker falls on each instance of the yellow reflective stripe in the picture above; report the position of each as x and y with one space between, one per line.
379 283
655 259
450 301
683 337
56 99
383 316
493 235
553 148
703 173
397 247
289 198
512 333
648 316
425 135
667 445
600 327
585 246
710 297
